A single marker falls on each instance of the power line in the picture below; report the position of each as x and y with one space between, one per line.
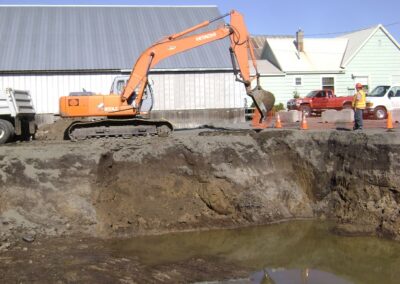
392 24
351 31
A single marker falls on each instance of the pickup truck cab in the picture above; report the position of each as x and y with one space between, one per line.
319 100
381 99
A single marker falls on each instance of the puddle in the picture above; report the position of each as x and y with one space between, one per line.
293 252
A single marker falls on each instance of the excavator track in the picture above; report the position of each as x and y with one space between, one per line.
126 128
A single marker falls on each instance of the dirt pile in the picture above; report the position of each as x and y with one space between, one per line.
200 180
54 131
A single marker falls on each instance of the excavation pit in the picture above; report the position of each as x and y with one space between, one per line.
199 180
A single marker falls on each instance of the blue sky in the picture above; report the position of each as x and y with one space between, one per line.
318 18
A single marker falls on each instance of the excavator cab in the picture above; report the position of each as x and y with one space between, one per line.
146 105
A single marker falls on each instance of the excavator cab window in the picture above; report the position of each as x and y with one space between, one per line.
120 86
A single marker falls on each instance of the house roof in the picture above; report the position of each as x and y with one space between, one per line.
357 39
258 42
319 55
265 68
101 37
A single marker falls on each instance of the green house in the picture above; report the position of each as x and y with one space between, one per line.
297 65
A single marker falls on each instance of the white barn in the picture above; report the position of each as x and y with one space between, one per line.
54 50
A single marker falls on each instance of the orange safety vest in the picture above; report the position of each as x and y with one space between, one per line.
359 100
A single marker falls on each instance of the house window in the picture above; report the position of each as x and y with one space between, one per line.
328 83
298 81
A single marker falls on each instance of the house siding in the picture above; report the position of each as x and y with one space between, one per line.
274 85
379 59
283 87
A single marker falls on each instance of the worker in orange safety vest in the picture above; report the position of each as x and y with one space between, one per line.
359 104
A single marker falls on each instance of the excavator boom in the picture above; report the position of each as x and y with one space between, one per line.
240 49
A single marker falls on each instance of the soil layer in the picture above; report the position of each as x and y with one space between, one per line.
59 192
201 180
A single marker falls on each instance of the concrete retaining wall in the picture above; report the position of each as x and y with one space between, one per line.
196 118
289 116
332 116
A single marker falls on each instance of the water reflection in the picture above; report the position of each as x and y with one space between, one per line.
301 276
293 246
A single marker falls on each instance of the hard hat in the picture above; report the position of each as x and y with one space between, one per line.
359 86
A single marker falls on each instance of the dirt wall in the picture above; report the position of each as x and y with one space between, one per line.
201 180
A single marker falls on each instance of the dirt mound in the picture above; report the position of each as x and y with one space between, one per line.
54 131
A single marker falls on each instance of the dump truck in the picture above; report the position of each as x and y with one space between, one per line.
123 114
17 115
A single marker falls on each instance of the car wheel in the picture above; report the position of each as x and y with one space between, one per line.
380 113
306 109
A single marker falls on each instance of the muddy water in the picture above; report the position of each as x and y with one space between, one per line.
294 252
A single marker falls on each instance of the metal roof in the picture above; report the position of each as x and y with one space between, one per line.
49 38
265 68
259 43
319 55
356 40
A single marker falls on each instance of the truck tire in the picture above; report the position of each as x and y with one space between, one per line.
380 113
306 109
6 131
347 106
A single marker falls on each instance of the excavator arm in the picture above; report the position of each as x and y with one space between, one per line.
240 49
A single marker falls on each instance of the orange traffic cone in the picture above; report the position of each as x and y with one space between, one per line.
389 121
303 124
278 123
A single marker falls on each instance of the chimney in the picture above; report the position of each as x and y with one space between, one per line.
300 40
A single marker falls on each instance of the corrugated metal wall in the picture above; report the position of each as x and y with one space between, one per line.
173 91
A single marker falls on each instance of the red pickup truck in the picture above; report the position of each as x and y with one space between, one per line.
319 100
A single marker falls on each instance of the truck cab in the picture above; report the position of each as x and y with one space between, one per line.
381 99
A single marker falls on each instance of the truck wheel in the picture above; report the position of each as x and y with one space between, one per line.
6 131
306 109
380 113
347 106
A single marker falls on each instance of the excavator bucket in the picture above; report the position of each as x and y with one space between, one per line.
263 100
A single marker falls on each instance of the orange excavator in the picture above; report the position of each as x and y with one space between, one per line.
122 113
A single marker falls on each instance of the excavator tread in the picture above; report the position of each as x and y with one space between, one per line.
126 128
